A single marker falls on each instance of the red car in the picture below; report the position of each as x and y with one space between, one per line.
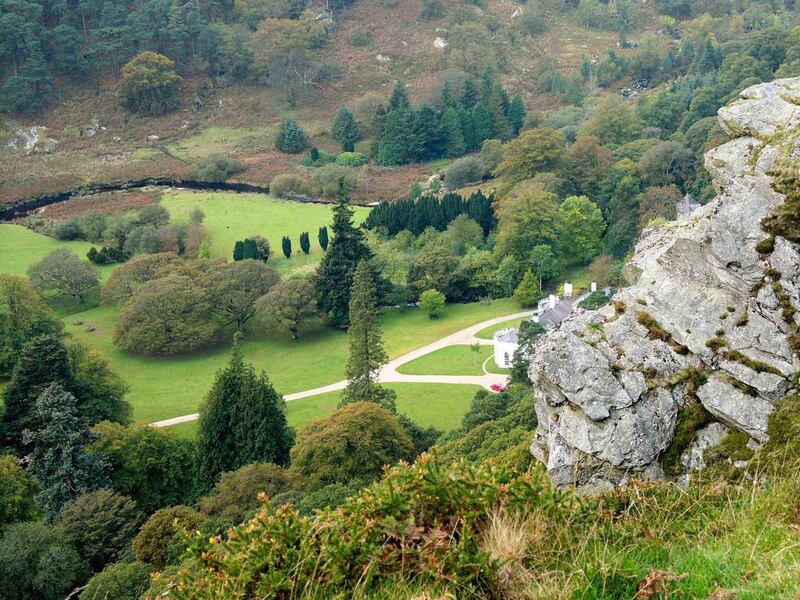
496 387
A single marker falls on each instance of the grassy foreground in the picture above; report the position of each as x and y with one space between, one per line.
169 387
230 217
453 360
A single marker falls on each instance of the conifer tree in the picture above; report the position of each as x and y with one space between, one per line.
250 250
43 361
482 123
238 250
365 344
448 98
322 237
345 129
453 135
291 139
495 105
242 421
286 246
516 115
528 292
399 99
393 148
60 460
468 129
335 274
470 95
305 244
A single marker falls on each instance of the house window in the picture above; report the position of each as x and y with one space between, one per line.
505 359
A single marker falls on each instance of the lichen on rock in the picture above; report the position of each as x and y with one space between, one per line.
608 405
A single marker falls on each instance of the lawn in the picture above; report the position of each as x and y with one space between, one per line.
488 333
20 248
169 387
231 217
453 360
427 404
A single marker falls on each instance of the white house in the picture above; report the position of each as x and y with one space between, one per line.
505 344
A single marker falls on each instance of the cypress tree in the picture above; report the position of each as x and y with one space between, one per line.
291 139
516 115
242 421
482 122
453 135
345 129
335 274
305 244
365 344
322 237
250 250
60 460
43 361
238 250
286 246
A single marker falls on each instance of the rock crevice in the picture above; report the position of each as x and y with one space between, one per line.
609 384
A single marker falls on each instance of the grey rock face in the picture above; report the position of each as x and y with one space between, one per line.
608 390
693 459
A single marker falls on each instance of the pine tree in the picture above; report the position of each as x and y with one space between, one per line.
399 99
305 244
335 274
242 421
291 139
345 129
468 129
453 135
394 145
427 139
482 122
448 98
516 115
60 460
286 246
365 344
494 104
43 361
322 237
470 95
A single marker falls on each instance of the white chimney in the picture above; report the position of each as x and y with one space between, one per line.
553 301
568 290
594 286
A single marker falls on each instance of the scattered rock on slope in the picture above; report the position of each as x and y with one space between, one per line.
704 321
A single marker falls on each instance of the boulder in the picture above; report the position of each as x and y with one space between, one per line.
609 385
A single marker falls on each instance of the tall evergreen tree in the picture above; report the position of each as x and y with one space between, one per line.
43 361
427 138
286 246
250 250
470 95
345 129
394 147
468 129
305 243
482 123
60 460
494 104
291 139
453 135
399 99
238 250
448 98
622 216
243 420
335 274
365 344
516 115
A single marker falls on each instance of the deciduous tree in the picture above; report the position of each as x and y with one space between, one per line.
289 306
62 273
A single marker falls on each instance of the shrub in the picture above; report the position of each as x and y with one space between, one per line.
463 171
432 9
101 524
351 159
290 186
17 491
152 542
354 442
69 230
360 36
120 581
149 85
329 177
432 302
216 168
236 494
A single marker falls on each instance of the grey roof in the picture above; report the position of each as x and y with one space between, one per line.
687 206
550 318
506 335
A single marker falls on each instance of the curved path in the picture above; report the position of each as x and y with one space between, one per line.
389 372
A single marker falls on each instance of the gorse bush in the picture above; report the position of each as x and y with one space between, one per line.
216 168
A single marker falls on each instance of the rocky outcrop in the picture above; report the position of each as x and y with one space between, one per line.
704 320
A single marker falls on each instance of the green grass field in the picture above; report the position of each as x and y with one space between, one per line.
21 247
488 333
453 360
231 217
168 387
